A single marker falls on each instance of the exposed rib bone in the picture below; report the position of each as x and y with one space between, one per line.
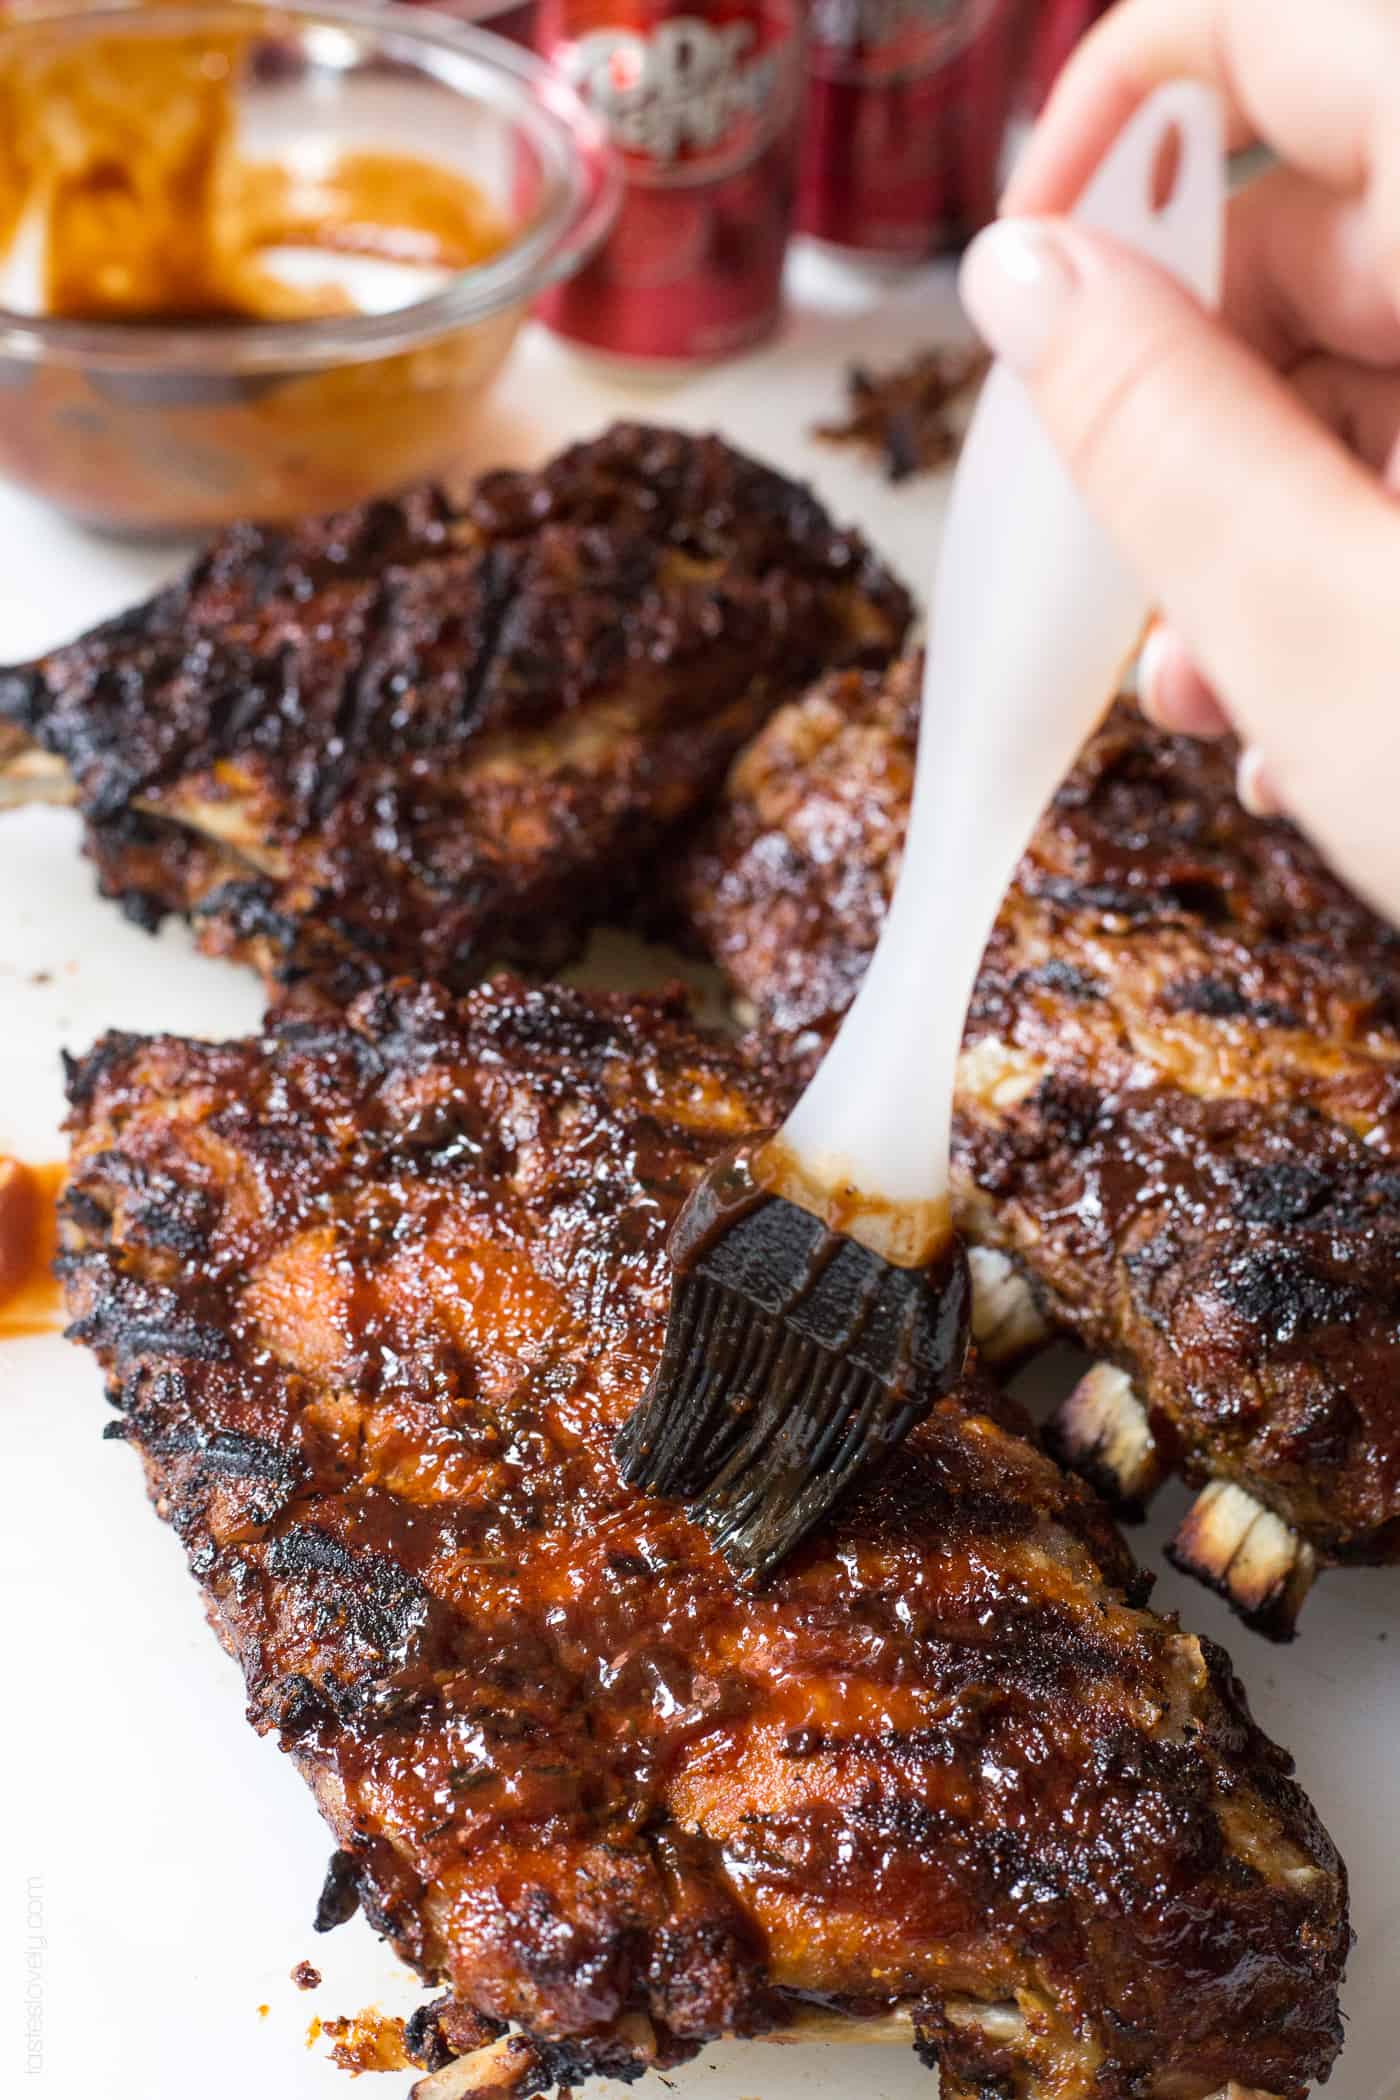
1256 1561
30 774
896 2026
1003 2022
502 2067
1102 1431
1006 1321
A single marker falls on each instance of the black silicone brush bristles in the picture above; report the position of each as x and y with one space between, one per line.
793 1357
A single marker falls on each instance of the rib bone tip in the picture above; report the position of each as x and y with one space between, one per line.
1102 1430
1248 1554
501 2068
1007 1324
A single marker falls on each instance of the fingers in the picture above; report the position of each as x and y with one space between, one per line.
1362 406
1308 270
1272 552
1254 784
1314 82
1172 691
1173 694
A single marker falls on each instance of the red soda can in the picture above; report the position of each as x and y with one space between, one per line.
904 116
1059 24
701 102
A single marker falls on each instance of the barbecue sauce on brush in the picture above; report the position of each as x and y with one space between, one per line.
30 1302
125 151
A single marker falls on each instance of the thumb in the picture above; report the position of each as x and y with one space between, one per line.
1273 552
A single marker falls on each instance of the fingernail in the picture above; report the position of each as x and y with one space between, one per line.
1017 283
1253 785
1149 677
1173 693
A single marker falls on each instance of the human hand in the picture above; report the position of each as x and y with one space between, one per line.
1247 466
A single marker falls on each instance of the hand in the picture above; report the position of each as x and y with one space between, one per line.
1248 467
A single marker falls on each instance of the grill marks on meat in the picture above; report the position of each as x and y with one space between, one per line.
373 1297
1180 1096
426 734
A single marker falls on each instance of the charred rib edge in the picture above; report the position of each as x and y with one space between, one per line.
1249 1555
1007 1324
503 2067
1102 1430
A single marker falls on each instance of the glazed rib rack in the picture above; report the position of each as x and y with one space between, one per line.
372 1297
1178 1131
442 731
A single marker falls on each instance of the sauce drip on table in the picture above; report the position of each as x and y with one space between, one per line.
30 1300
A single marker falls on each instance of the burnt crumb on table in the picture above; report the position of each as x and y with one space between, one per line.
909 417
306 1976
367 2041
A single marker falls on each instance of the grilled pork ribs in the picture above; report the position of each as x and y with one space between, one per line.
372 1296
427 735
1179 1110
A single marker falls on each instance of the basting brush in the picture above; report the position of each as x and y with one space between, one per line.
820 1301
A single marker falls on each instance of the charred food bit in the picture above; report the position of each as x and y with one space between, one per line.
374 1297
428 733
1179 1101
367 2041
909 418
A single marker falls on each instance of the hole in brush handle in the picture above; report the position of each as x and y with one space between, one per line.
1166 167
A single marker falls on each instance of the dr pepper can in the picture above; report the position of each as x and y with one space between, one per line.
701 102
1059 24
905 113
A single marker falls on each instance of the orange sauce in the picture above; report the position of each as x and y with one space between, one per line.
30 1299
125 149
367 2041
127 193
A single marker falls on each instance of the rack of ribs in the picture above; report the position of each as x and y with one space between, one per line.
1178 1119
373 1295
431 734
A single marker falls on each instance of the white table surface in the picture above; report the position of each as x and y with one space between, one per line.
158 1864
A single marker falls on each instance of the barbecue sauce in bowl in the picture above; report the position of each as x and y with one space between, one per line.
129 196
121 157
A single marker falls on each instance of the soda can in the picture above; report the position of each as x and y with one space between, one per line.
701 102
1059 24
905 112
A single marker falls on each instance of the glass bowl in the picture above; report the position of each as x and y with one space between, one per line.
159 427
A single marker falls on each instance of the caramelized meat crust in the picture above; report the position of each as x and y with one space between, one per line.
373 1296
1179 1102
428 733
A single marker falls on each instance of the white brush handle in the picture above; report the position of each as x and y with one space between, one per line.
1033 620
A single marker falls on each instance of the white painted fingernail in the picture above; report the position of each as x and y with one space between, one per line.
1154 654
1018 283
1254 785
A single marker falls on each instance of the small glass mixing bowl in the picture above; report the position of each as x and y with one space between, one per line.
161 426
